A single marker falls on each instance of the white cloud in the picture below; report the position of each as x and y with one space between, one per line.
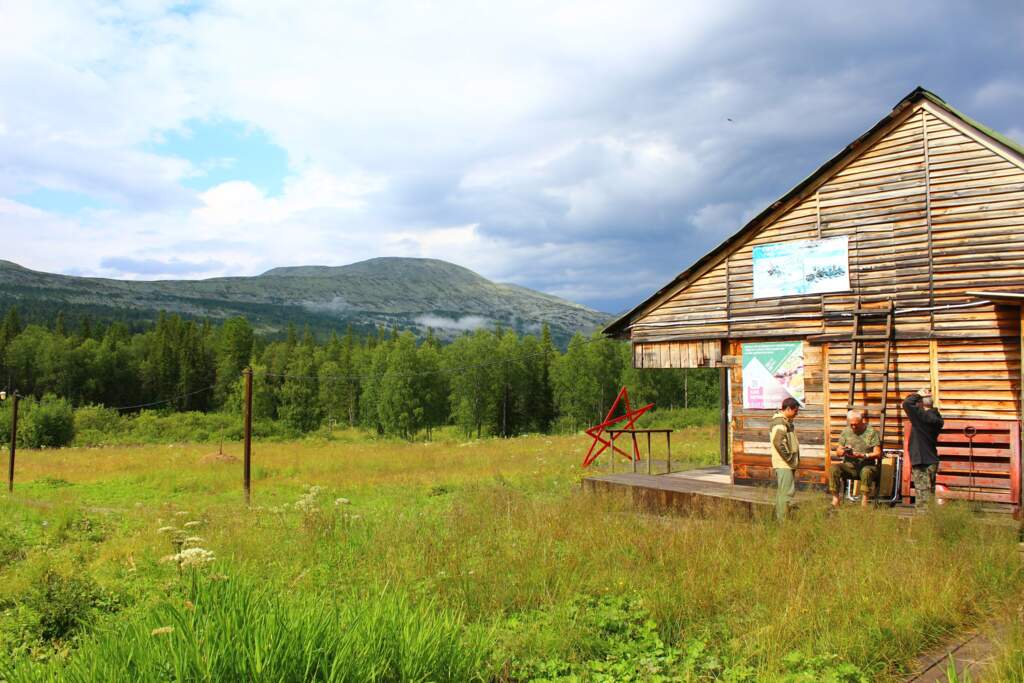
466 323
534 142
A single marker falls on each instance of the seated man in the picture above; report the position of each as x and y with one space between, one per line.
860 450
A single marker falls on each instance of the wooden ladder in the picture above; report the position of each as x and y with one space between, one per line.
857 339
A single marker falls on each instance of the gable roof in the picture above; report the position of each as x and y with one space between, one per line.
619 326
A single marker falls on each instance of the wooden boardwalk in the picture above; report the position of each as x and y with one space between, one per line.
694 492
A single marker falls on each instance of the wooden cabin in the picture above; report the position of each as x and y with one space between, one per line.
898 264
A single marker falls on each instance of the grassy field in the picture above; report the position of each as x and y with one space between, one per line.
378 560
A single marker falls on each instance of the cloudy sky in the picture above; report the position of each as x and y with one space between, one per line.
588 149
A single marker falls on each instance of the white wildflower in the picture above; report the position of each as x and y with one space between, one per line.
193 540
342 501
192 525
181 513
162 631
167 530
195 557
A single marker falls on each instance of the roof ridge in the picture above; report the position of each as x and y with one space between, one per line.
855 147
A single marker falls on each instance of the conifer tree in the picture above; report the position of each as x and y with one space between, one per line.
470 366
299 405
59 327
234 354
577 389
369 399
433 386
400 404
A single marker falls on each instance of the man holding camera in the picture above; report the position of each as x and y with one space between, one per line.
860 451
926 423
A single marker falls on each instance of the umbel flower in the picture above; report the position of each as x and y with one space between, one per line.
191 557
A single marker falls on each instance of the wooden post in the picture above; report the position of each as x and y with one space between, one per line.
611 454
247 457
723 419
668 446
634 464
14 442
650 456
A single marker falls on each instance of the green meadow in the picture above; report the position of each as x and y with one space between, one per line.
380 560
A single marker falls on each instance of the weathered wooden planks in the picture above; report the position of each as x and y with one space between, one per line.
929 211
932 208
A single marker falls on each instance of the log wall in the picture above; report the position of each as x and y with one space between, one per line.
971 380
931 209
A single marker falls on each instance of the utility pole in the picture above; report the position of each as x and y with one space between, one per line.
247 457
14 438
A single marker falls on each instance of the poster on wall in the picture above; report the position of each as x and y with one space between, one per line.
772 371
801 267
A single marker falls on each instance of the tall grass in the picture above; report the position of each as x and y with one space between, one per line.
494 544
1009 661
234 630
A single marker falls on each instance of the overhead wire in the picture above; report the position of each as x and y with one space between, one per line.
163 400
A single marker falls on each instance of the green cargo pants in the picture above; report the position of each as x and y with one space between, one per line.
786 482
924 483
867 474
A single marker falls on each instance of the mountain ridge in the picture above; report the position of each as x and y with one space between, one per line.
393 292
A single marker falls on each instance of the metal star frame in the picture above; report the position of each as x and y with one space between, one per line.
629 417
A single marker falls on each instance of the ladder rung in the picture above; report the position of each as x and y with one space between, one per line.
870 337
869 372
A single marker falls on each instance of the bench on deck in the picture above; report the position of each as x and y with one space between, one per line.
988 472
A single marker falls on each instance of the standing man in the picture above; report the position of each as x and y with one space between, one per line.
926 425
859 450
785 454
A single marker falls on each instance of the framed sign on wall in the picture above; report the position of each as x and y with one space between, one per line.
801 267
772 371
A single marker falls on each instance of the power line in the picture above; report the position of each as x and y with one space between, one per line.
165 400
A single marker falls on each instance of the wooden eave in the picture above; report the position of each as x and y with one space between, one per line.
1001 298
917 99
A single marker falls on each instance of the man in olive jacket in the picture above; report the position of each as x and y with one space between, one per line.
785 454
926 422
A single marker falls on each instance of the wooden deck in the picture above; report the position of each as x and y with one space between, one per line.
694 492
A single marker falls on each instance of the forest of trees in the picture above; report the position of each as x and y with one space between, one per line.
492 382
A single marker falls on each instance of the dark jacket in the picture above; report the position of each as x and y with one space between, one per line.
927 424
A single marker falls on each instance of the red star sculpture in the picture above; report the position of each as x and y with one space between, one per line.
630 417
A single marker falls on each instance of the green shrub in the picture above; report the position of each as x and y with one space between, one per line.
60 604
12 547
98 419
50 423
103 427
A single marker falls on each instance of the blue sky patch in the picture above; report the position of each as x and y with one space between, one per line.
224 150
61 201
